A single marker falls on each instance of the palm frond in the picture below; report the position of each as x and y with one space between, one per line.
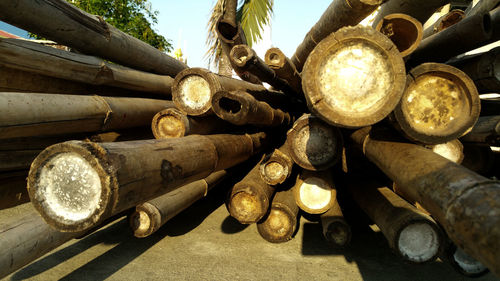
253 16
214 47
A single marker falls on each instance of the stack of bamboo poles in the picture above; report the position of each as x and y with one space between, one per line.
359 118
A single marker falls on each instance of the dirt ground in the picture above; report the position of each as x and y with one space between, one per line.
204 243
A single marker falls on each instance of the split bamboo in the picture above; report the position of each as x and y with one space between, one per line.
276 167
314 192
336 230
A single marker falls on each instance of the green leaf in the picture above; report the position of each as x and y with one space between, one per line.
253 16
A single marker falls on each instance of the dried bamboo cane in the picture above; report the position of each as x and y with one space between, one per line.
150 216
13 189
420 10
173 123
335 228
240 108
284 68
403 30
440 104
39 59
314 192
354 77
75 185
340 13
447 20
88 33
314 145
28 114
464 203
486 131
280 224
276 167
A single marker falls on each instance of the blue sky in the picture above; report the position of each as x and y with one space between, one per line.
185 24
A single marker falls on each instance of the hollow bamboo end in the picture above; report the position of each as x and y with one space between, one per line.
231 106
70 186
278 226
169 123
247 207
439 104
193 89
404 31
241 55
227 30
419 242
274 172
354 77
338 233
145 220
314 195
275 58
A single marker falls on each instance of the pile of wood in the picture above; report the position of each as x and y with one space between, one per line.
359 118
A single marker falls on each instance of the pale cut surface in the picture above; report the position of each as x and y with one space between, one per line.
315 193
467 263
194 92
315 144
448 150
419 242
275 170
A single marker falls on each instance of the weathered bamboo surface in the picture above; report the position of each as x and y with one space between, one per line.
39 59
336 230
284 68
482 7
485 131
420 10
447 20
87 33
29 114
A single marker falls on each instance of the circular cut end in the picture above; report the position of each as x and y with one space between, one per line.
314 195
246 208
141 224
169 126
354 78
404 31
452 150
194 94
275 58
275 172
279 225
467 265
338 234
419 242
240 55
69 189
439 105
230 107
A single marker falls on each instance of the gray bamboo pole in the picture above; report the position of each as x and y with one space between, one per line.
482 7
313 144
276 167
340 13
403 30
485 131
87 33
75 185
173 123
354 77
468 34
39 59
150 216
451 18
28 114
336 230
314 192
464 203
280 224
420 10
284 68
483 69
463 263
452 150
427 119
249 199
194 87
240 108
13 189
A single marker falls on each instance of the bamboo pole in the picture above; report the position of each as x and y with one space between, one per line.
280 224
420 10
447 20
354 77
427 119
150 216
62 22
28 114
194 87
463 263
336 230
173 123
13 189
250 198
483 69
464 203
39 59
75 185
240 108
276 167
452 150
315 192
16 159
284 68
314 145
485 131
482 7
403 30
339 13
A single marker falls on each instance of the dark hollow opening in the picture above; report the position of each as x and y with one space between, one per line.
229 105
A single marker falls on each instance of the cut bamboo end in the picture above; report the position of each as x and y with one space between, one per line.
233 107
279 225
193 90
241 55
314 192
277 168
145 220
227 30
354 77
440 104
403 30
275 58
465 264
335 228
248 206
419 241
452 150
314 145
169 123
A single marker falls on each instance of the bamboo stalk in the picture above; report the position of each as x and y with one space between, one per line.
87 33
336 230
27 114
339 13
39 59
354 77
314 145
314 192
16 159
173 123
403 30
150 216
284 68
424 118
75 185
486 131
420 10
240 108
250 198
447 20
482 7
276 167
464 203
280 224
463 263
13 189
